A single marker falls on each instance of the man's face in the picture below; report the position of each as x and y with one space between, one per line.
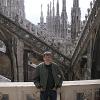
47 58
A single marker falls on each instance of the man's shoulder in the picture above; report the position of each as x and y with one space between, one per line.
54 64
40 64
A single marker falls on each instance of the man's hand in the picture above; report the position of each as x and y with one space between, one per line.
57 86
38 85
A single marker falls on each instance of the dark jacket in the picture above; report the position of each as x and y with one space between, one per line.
41 76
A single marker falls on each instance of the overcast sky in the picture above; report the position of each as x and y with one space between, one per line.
33 8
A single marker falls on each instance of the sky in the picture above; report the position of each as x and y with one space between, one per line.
33 8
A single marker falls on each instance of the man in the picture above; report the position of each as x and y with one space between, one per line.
48 78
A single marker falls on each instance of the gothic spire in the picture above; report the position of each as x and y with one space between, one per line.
53 20
47 18
15 8
41 11
64 5
57 21
41 18
64 20
57 8
76 3
53 9
75 20
48 10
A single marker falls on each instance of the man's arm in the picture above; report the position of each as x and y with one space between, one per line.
37 78
60 76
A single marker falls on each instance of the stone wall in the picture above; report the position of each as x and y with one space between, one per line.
71 90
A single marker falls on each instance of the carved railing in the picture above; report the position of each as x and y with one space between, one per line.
32 41
91 24
81 90
70 90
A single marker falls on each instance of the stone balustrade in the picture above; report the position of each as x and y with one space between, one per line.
81 90
71 90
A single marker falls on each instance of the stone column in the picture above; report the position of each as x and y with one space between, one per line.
89 60
25 65
14 61
10 50
20 50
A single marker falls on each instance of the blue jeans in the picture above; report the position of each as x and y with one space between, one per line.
51 94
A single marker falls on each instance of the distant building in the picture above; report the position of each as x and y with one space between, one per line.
75 20
55 23
13 7
59 29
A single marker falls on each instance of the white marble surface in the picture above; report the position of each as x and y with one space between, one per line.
65 83
4 79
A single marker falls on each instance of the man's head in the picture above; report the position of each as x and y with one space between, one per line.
47 57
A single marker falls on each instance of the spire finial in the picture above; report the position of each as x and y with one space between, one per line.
57 7
41 11
53 9
41 18
48 10
76 3
64 5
